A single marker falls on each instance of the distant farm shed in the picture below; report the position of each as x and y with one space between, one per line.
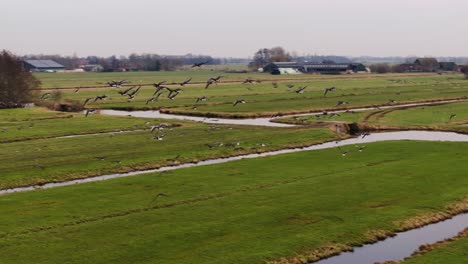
428 65
323 68
42 66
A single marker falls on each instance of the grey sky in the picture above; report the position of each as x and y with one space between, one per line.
235 28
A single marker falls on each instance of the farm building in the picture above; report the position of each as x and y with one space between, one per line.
323 68
42 66
428 65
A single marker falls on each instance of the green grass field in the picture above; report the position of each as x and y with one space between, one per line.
245 211
433 117
37 153
294 206
263 99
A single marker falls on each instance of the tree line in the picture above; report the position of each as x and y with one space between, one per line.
133 62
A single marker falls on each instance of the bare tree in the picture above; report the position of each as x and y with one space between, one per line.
380 68
278 54
264 56
16 85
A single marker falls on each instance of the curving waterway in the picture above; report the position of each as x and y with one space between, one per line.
261 121
375 137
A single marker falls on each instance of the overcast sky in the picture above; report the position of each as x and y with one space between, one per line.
235 28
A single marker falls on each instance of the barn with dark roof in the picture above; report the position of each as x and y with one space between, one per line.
42 66
323 68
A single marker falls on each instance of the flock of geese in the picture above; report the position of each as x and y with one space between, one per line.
172 93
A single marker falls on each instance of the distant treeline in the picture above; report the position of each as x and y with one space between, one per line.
135 62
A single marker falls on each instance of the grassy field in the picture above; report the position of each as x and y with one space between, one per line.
38 153
246 211
264 99
298 205
434 117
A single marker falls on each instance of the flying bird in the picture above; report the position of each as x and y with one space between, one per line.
341 103
124 92
238 101
185 82
300 90
210 82
343 152
360 148
152 99
89 111
159 84
249 80
45 95
159 137
216 79
159 89
199 64
330 89
133 94
201 99
100 97
116 84
87 100
173 92
365 134
452 116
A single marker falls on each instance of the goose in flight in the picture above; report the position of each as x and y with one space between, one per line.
239 101
216 79
210 82
199 64
300 90
249 80
100 97
134 93
124 92
201 99
87 100
173 92
185 82
45 95
343 152
452 116
330 89
89 111
365 134
157 85
360 148
116 84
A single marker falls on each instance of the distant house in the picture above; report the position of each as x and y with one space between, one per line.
428 65
448 66
322 68
42 66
